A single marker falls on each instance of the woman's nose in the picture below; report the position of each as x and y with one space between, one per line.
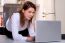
31 14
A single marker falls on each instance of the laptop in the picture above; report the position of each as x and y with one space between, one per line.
48 31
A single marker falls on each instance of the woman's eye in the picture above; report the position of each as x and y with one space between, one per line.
33 12
29 11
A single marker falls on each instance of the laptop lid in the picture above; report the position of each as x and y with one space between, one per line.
48 31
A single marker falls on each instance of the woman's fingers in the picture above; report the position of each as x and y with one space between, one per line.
30 39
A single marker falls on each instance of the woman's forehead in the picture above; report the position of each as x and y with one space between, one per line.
30 9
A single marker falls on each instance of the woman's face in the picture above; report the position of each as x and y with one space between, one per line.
29 13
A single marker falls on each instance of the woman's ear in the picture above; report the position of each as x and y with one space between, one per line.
23 10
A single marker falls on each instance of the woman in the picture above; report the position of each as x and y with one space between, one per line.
19 26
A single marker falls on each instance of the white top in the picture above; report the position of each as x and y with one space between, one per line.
13 25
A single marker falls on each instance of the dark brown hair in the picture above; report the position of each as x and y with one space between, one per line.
26 6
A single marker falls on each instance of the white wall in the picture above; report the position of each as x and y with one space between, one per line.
60 13
34 1
6 1
1 9
10 1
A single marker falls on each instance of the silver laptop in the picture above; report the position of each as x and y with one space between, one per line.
48 31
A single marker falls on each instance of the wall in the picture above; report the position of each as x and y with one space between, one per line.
60 13
1 9
10 1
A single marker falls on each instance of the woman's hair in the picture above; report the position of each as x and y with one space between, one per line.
26 6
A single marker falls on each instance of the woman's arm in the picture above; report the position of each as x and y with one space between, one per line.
15 26
32 30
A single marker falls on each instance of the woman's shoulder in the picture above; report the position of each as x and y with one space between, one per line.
15 15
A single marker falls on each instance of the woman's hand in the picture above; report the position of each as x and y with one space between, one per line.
29 39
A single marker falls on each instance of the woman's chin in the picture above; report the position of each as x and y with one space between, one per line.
28 18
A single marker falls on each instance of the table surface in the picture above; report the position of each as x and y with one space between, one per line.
4 39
